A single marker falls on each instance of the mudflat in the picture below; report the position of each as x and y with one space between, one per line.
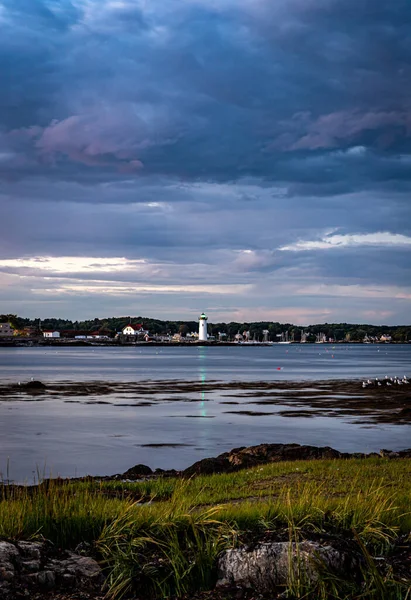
327 398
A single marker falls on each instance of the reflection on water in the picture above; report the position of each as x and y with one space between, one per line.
203 378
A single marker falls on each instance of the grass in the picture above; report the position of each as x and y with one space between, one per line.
164 535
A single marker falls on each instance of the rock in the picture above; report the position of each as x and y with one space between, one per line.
388 453
30 566
391 454
6 572
83 567
137 471
9 559
30 549
271 564
35 385
68 580
208 466
45 579
34 565
8 553
244 458
265 453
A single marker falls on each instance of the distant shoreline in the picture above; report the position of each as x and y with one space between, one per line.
35 342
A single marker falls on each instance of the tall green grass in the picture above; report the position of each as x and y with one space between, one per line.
171 548
60 514
167 551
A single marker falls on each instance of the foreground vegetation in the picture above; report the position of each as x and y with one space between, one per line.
163 536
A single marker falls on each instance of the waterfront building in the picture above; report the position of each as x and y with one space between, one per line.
133 330
202 328
48 333
6 330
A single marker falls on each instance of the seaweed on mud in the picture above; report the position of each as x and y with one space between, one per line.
250 413
296 413
331 398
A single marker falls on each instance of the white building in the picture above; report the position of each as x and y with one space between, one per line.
51 334
6 330
133 330
202 328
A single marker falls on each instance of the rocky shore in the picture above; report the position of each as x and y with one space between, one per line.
227 462
253 456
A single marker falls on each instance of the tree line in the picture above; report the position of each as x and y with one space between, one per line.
112 325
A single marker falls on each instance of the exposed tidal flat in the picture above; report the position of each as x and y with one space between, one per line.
105 409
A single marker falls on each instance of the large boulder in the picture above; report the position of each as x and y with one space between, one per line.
209 466
400 454
137 472
266 453
271 565
252 456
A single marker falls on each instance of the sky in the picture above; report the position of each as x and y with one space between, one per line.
247 158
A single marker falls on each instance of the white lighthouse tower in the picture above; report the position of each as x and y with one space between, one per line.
202 328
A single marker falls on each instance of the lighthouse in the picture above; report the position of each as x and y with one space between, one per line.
202 328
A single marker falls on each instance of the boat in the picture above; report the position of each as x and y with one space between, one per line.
284 338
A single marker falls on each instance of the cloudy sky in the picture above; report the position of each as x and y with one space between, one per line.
249 158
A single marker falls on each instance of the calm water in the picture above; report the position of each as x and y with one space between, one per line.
78 438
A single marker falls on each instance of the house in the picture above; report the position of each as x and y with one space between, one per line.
161 338
48 333
6 330
192 336
133 330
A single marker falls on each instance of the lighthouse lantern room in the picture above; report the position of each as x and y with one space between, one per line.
202 328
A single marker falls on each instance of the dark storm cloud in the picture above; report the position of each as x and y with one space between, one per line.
209 133
196 90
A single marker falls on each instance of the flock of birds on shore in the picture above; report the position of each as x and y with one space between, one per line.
387 381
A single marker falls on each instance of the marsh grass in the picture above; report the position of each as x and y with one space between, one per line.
165 534
171 550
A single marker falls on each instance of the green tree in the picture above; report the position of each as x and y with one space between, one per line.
183 330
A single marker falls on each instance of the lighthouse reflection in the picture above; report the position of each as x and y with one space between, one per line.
203 379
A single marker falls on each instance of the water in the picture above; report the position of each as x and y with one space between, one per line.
72 439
